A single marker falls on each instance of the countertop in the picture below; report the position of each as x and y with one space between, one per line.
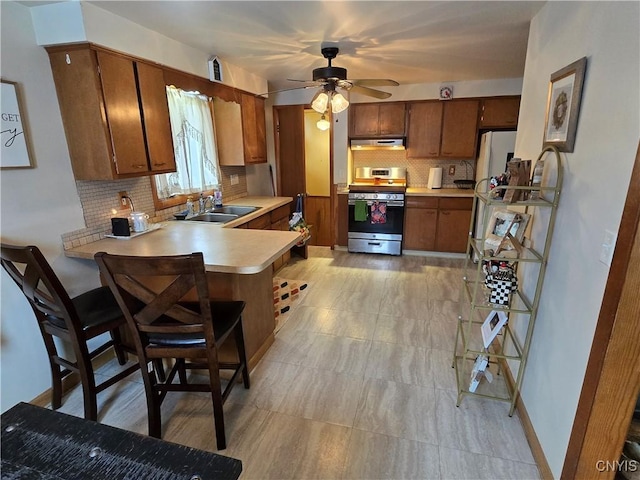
225 249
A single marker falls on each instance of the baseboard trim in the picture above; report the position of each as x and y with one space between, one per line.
72 380
529 431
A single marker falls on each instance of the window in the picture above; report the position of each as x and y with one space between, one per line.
194 149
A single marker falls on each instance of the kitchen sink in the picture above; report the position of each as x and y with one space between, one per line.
214 217
224 214
238 210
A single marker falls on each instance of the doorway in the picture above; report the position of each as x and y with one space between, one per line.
304 165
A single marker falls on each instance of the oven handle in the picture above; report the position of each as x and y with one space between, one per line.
390 203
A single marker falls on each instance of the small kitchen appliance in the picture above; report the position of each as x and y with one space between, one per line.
376 210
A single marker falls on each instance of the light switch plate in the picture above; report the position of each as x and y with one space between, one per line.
607 247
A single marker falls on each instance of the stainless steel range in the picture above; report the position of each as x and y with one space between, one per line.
376 210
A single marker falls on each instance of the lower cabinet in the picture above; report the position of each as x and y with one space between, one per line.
454 217
280 221
439 224
420 222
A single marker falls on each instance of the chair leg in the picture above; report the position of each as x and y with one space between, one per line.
182 370
158 366
216 400
56 371
239 337
88 381
121 354
153 413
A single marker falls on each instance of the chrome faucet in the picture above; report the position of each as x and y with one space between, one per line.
202 203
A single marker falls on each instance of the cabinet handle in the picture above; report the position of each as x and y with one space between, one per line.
433 153
139 166
447 153
444 212
159 164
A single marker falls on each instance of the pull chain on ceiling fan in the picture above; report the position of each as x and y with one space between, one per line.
330 78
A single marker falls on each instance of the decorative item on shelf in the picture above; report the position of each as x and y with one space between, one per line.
563 106
480 370
501 285
518 173
536 179
499 181
505 230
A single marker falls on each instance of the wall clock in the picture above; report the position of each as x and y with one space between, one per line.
446 92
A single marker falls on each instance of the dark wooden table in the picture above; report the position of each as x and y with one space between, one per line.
38 443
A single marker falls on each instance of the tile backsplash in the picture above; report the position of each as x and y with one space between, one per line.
99 197
417 168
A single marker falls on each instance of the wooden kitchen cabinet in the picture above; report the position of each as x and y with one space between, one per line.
420 223
500 112
377 120
454 218
425 129
443 129
459 129
253 129
280 221
114 111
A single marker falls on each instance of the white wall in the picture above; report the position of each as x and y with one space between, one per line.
39 205
597 177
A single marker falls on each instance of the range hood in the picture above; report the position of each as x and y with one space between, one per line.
377 144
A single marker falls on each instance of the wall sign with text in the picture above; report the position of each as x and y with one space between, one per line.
14 146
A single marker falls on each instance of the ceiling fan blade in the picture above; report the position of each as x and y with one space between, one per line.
286 90
375 82
302 81
370 92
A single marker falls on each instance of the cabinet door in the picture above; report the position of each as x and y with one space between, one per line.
253 126
75 73
425 126
460 129
500 112
391 118
364 120
155 110
420 228
123 113
454 217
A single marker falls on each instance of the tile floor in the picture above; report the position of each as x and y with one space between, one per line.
358 384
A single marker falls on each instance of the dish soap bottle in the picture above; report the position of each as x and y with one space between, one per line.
190 205
217 196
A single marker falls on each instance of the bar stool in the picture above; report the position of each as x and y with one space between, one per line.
74 320
167 305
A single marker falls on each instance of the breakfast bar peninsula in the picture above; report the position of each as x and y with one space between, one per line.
238 263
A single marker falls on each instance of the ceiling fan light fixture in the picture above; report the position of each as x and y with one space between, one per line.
338 103
320 102
323 124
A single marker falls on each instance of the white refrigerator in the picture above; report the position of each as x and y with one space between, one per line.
495 148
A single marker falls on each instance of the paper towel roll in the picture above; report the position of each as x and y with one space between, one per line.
435 178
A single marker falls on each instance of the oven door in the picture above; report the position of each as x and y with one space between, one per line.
392 223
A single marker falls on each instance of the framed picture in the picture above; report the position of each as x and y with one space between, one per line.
563 106
492 325
503 222
14 150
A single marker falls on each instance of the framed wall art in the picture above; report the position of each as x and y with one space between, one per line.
563 106
14 149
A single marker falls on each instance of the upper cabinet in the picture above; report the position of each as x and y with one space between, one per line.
254 129
443 129
114 111
377 120
500 112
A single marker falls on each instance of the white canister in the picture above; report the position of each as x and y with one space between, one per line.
139 222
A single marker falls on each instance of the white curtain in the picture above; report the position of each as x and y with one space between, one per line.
194 145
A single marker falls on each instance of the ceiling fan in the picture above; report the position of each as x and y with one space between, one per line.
330 78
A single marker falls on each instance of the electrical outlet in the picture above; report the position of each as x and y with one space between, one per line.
452 169
607 247
123 200
235 179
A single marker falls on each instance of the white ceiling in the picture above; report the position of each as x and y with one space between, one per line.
407 41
